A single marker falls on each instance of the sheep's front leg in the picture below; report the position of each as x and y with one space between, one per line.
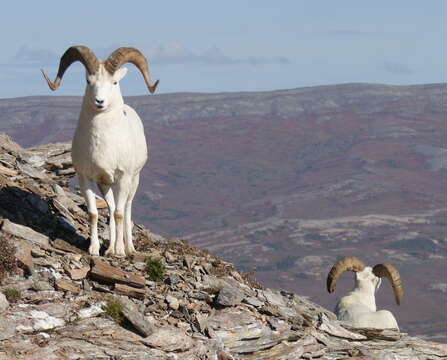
121 192
87 186
107 193
130 249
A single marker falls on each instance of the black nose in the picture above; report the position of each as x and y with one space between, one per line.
99 102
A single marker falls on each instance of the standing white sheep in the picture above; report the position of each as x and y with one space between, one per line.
358 308
109 147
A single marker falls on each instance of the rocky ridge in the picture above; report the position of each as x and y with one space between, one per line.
202 309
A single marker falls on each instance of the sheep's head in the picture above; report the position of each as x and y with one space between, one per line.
102 76
102 89
365 275
366 279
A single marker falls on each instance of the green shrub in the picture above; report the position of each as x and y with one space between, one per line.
114 309
155 269
12 295
8 262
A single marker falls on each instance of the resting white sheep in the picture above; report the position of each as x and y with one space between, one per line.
358 308
109 147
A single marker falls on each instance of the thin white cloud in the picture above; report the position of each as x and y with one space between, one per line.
28 56
172 52
396 68
175 52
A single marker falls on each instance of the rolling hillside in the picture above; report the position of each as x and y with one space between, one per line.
287 181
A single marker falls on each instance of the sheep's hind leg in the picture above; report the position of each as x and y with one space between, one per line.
87 186
107 193
120 192
130 249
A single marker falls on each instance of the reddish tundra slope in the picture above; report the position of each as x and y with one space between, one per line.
288 181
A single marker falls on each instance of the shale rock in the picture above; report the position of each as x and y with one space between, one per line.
4 304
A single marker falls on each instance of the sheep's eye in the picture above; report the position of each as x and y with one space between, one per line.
115 82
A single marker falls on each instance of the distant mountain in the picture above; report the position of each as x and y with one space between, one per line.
287 181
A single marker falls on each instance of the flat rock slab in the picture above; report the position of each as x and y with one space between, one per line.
66 285
122 289
78 274
65 246
137 319
4 304
229 296
24 257
32 171
172 302
337 330
24 232
378 334
102 271
169 339
7 171
282 351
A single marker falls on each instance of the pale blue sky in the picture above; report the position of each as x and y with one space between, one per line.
211 46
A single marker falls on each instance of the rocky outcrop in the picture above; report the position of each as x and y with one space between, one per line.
74 306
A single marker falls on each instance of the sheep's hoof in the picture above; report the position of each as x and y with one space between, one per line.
93 252
131 252
109 252
119 253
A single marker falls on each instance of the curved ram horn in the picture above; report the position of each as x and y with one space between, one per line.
340 266
73 54
391 273
127 54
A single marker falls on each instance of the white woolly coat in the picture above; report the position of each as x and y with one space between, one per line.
358 308
108 144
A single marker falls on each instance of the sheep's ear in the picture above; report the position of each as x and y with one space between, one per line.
378 284
119 74
361 275
89 78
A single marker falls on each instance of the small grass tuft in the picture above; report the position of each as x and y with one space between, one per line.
114 309
155 269
250 279
8 261
12 295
